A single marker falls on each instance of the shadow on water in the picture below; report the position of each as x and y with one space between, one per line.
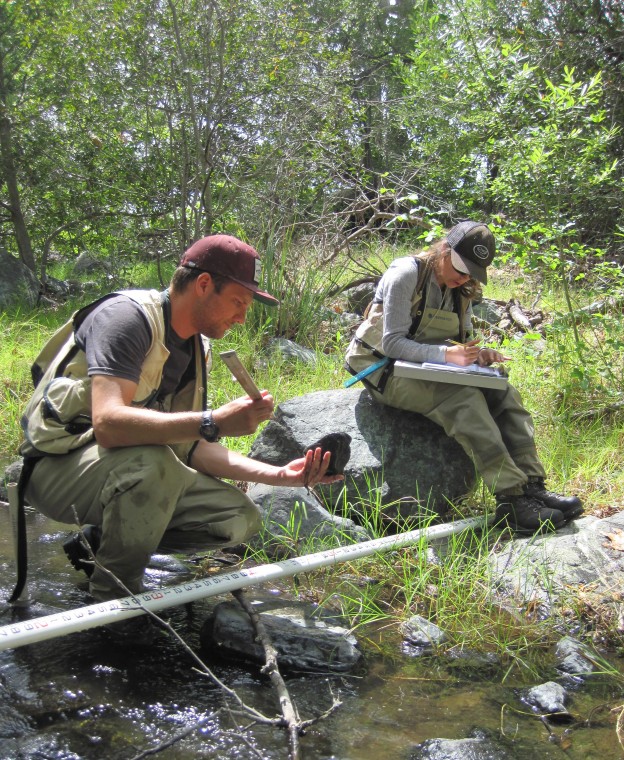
81 697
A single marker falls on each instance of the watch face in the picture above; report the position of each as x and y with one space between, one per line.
208 429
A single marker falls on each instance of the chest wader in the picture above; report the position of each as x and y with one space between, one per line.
388 369
78 432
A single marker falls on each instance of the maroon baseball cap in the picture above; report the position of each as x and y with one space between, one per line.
230 257
472 249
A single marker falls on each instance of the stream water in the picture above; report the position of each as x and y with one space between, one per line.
80 697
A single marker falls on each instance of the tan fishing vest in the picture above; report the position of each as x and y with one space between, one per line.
57 419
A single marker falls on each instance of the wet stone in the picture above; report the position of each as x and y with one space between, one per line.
481 748
422 633
548 699
573 658
338 444
471 663
305 637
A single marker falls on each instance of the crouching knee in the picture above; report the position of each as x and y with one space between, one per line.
248 524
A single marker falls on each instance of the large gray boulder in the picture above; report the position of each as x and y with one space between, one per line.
542 569
18 285
292 516
400 461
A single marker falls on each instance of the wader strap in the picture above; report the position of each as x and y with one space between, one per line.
459 309
374 351
384 377
20 527
389 368
417 318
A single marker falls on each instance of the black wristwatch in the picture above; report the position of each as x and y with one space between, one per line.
209 430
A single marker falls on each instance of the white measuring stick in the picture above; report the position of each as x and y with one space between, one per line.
64 622
234 364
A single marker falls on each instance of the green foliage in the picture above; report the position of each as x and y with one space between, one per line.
587 341
301 284
519 132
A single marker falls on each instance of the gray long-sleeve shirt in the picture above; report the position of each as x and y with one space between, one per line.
396 290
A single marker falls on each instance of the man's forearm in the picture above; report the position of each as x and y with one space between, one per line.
129 426
220 462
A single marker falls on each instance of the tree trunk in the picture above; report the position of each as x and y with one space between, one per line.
10 177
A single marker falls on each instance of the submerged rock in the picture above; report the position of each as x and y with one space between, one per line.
305 637
480 748
549 699
422 633
573 657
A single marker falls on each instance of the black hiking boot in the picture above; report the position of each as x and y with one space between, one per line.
569 506
527 516
77 553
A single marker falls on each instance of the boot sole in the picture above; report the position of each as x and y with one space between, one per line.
572 514
545 527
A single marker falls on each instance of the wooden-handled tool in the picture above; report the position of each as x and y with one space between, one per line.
234 364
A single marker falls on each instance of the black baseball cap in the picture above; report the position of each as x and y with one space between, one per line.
472 248
229 257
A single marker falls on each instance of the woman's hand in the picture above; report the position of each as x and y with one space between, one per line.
463 354
489 356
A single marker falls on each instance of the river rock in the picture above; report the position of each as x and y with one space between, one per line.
87 263
573 657
481 748
488 311
359 297
401 460
291 516
11 475
422 632
306 638
549 699
539 569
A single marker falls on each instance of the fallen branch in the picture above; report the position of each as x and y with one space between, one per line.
613 303
519 317
290 715
271 668
598 411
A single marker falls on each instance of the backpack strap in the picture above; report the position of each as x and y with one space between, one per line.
18 520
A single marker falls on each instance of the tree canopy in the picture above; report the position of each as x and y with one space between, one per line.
153 122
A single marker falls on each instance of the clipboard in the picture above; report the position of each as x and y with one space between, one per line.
474 375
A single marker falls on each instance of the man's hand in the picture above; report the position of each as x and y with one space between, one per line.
243 415
308 471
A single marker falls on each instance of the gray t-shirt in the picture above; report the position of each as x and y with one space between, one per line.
116 337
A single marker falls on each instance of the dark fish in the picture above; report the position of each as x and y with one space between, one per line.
338 445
